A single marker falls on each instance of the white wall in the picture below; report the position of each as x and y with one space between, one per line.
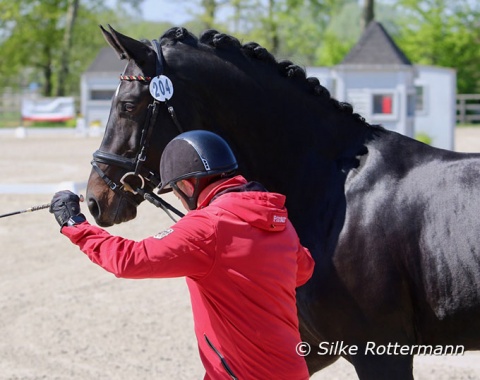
96 111
437 119
358 85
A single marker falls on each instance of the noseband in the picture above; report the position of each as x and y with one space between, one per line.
133 182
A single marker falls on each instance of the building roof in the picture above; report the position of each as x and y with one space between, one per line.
106 61
375 47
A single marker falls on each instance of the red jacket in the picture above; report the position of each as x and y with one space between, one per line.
242 259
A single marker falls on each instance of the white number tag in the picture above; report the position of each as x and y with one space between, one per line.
161 88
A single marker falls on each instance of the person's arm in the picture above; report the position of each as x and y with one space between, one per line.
305 265
187 249
173 253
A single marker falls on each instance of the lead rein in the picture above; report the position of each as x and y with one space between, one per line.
159 202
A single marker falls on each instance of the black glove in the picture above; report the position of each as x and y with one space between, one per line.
65 205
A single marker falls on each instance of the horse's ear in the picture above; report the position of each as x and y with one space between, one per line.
126 47
111 41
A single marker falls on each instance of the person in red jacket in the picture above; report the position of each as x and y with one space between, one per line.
240 254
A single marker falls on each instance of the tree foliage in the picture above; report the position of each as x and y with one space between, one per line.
321 32
443 33
40 44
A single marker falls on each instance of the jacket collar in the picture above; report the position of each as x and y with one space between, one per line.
213 190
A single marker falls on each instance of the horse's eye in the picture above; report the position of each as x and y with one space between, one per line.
128 107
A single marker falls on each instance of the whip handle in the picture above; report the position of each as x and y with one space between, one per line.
41 207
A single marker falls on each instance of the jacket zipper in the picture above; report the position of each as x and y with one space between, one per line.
222 359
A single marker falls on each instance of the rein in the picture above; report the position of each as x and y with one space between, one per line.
133 182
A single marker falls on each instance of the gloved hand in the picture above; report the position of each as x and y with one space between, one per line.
65 205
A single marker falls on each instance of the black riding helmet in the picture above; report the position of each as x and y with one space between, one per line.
199 154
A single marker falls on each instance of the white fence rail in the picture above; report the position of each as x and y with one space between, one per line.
468 108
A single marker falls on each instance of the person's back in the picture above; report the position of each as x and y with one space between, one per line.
244 307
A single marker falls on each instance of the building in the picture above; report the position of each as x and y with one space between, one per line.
378 80
386 88
98 84
435 106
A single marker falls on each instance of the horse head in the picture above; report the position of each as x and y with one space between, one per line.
126 166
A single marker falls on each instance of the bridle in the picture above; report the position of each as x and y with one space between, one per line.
137 175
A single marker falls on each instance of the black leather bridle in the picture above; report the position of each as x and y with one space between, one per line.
133 181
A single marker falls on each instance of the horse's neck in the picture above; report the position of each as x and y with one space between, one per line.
279 145
268 118
298 123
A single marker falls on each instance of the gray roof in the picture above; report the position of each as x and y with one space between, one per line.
107 61
375 47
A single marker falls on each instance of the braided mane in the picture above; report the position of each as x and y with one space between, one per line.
286 68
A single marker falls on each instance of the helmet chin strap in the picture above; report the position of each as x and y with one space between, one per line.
191 201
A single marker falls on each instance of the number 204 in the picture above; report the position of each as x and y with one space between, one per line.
161 88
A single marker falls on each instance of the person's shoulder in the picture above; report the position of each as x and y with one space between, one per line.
203 217
194 226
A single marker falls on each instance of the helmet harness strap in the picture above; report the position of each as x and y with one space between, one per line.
193 200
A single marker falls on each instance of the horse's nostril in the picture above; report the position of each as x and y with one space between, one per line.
93 207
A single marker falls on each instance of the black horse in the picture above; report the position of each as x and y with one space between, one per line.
393 224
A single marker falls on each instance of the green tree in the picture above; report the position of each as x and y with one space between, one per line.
288 28
210 10
51 41
34 40
72 10
291 28
345 28
301 26
368 13
443 33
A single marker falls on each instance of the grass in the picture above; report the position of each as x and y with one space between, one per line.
9 119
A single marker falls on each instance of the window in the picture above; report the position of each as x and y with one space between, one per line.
420 93
411 104
383 104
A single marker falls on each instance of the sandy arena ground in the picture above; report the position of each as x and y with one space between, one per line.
61 317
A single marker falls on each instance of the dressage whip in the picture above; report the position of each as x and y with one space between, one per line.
34 208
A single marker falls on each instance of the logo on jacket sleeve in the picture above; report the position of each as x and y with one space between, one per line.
164 233
279 219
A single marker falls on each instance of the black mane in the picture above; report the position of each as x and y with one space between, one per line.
221 41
